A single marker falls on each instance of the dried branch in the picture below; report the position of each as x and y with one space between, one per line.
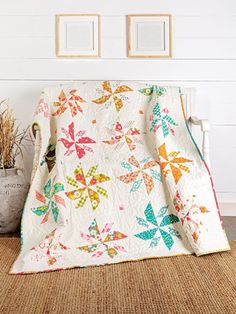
11 137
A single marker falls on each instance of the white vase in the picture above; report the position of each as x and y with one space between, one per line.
13 192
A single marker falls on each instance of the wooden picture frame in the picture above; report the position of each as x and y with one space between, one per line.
78 35
150 36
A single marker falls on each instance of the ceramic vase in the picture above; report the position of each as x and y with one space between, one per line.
13 192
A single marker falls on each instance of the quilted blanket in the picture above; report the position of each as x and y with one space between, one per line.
117 178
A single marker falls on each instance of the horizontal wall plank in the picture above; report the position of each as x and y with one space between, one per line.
223 139
227 197
145 69
183 7
115 26
116 48
223 152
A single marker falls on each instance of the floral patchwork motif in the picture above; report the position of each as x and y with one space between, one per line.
42 108
72 101
101 242
160 119
124 135
174 162
49 249
140 172
76 142
190 214
158 227
50 200
87 186
149 90
114 94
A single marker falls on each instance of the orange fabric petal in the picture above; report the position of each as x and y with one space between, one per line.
122 89
133 161
176 173
180 160
130 177
102 99
107 86
162 151
150 164
118 103
148 181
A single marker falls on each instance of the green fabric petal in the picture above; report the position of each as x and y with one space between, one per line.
47 188
58 187
40 211
55 211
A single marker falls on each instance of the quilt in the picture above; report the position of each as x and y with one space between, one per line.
118 177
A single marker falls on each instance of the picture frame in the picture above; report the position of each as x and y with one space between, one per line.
78 35
150 36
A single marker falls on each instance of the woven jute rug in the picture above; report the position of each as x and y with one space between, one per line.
182 284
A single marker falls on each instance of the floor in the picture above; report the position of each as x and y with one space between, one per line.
176 285
230 227
229 223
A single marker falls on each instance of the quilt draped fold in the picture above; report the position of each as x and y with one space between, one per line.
118 177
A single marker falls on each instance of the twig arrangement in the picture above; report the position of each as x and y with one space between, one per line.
11 137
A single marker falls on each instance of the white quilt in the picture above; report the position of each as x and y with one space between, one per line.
118 178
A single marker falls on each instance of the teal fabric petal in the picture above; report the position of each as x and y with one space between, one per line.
169 119
153 124
155 174
159 90
146 235
155 242
150 216
142 222
167 238
126 165
162 211
174 232
168 220
157 110
136 185
165 129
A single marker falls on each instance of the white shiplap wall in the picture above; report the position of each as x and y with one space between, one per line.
204 56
